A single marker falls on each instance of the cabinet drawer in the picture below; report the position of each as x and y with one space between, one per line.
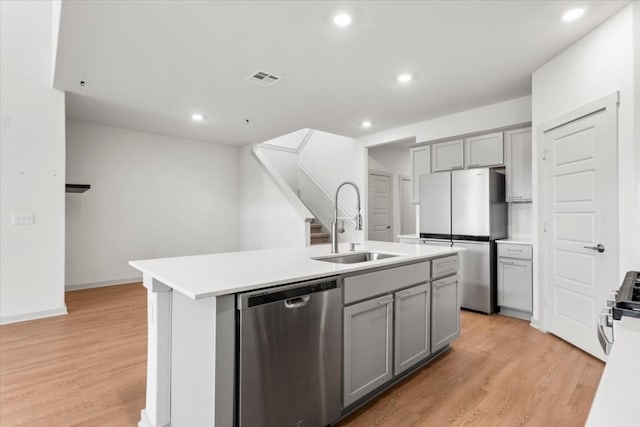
368 285
444 266
509 250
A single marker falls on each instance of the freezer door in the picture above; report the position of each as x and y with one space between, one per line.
435 204
470 203
477 281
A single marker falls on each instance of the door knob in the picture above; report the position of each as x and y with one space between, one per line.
388 226
599 247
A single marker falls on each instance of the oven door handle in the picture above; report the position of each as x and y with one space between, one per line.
605 321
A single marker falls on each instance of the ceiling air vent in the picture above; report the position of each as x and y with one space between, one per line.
262 78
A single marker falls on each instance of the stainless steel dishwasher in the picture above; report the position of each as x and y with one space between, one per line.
290 355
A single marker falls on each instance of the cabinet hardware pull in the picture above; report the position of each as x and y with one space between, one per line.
439 285
514 250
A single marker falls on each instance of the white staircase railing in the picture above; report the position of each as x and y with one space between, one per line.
317 199
303 212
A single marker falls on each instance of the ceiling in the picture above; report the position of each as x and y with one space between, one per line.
150 65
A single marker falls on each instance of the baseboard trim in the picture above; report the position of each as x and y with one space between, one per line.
103 283
14 318
146 422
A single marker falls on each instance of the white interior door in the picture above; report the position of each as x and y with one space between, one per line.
407 208
380 222
582 206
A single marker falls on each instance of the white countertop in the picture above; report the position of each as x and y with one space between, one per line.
408 236
616 400
203 276
516 241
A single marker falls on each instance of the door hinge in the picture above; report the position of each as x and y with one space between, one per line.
544 227
545 152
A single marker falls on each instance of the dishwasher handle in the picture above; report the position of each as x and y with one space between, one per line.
297 302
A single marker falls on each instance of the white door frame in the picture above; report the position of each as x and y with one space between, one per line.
391 203
609 103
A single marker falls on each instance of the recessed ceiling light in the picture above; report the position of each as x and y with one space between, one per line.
404 77
197 117
342 20
366 123
572 15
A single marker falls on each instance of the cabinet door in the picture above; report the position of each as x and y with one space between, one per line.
448 155
515 282
484 150
412 328
445 312
518 165
368 342
420 165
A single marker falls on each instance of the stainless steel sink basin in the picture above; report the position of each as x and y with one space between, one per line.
357 257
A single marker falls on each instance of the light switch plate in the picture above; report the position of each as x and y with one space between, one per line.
22 219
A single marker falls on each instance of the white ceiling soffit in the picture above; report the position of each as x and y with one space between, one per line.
150 65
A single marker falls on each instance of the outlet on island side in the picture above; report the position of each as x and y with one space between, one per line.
23 219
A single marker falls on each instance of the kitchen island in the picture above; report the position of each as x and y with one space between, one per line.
192 325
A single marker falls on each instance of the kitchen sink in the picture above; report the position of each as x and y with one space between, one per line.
356 257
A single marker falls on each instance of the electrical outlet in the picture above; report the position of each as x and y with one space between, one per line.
22 219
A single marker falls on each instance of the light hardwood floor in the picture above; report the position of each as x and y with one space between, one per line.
88 368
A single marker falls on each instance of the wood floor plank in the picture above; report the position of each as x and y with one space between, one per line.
89 369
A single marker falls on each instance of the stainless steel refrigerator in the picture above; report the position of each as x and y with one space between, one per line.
467 209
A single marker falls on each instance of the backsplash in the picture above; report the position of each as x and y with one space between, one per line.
520 221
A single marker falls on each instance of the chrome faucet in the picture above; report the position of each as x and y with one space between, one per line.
334 223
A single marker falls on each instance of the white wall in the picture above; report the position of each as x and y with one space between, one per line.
32 167
395 160
332 159
151 196
285 162
494 116
268 218
597 65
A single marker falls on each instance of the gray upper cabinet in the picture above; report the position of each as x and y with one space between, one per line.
368 347
420 164
484 150
447 155
445 312
518 165
412 328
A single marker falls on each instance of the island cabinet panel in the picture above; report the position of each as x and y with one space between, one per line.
447 155
445 312
412 330
363 286
484 150
420 164
368 347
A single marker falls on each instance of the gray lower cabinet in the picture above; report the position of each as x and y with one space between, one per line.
368 347
412 331
515 284
445 312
